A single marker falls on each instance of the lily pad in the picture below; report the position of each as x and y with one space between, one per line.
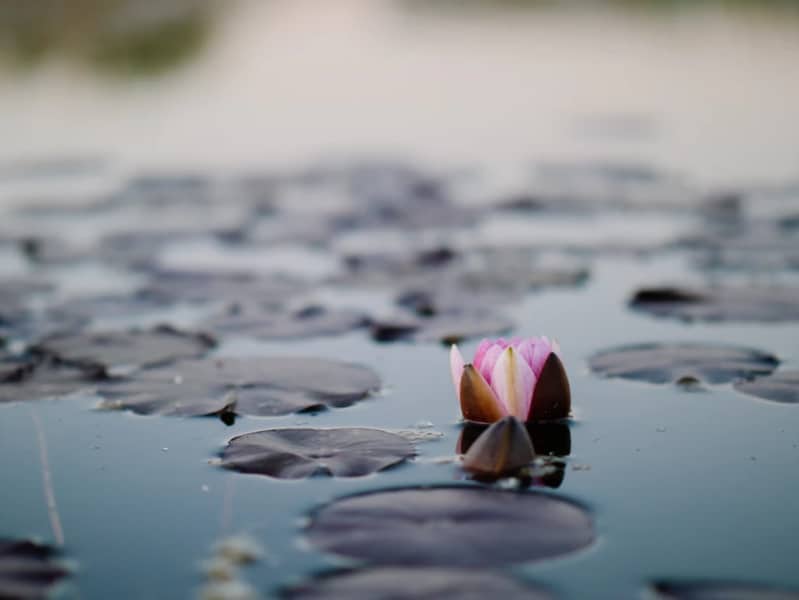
782 386
446 328
766 304
682 363
451 526
306 452
705 590
269 386
311 321
136 348
26 380
408 583
27 570
228 288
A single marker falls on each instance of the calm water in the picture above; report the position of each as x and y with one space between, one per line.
681 484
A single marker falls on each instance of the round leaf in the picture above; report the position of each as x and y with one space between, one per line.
268 386
304 452
451 526
682 362
408 583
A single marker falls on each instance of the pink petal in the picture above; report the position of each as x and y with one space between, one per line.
489 360
456 367
526 349
513 382
540 353
482 348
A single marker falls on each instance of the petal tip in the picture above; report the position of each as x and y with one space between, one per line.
552 394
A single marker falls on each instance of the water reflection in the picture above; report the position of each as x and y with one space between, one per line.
551 443
124 36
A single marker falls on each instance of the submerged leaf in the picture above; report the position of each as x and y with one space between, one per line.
304 452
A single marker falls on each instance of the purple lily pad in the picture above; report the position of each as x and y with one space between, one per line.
447 328
451 526
407 583
312 321
135 348
767 304
305 452
27 570
706 590
268 386
229 288
27 379
683 363
782 386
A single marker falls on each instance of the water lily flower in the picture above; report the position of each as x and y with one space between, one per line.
520 377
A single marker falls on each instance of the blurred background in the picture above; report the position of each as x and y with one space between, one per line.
706 88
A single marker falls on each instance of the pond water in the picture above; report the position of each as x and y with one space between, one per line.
128 202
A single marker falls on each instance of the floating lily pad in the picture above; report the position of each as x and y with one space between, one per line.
683 363
312 321
705 590
136 348
720 303
219 286
451 526
445 328
33 380
782 386
413 583
27 570
305 452
266 386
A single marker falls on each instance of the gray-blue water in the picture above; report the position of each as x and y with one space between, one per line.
681 484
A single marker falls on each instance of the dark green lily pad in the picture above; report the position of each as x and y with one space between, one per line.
312 321
683 362
268 386
414 583
27 570
782 386
135 348
710 590
451 526
306 452
765 304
